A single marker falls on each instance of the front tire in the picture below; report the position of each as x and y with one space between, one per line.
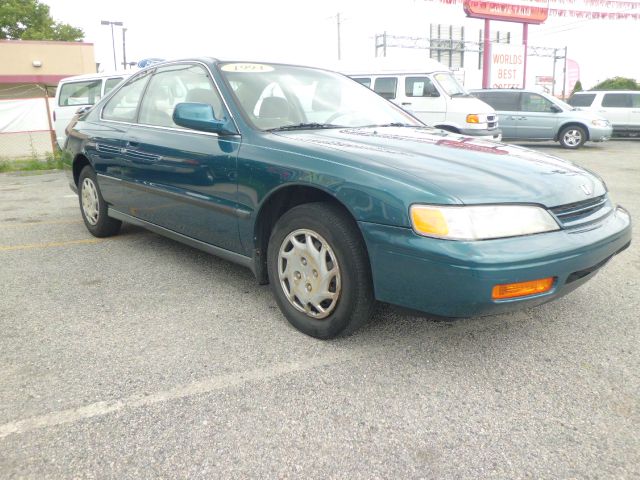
93 207
572 137
319 271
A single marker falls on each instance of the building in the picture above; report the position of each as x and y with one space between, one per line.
29 74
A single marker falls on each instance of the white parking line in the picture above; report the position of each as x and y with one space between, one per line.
198 388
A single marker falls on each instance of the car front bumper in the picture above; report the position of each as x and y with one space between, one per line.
600 134
455 279
494 134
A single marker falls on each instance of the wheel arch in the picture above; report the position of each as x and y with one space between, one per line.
573 123
79 162
276 204
448 128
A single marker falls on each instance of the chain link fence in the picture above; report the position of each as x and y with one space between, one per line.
25 129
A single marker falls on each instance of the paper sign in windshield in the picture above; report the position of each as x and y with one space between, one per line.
247 67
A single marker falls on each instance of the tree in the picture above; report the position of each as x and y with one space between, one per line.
617 83
577 87
31 20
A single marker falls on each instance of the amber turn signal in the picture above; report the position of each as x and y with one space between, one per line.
522 289
473 118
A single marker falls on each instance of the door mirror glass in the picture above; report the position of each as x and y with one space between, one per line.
197 116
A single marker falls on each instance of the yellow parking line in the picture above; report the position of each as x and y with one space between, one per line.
86 241
33 224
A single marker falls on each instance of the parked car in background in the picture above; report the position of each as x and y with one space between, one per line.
620 107
336 196
434 96
80 91
528 115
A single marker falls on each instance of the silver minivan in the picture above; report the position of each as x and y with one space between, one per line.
528 115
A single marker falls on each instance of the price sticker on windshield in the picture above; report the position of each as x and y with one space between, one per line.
247 67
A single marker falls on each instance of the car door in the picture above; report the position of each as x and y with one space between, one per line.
183 180
507 106
616 107
537 120
420 96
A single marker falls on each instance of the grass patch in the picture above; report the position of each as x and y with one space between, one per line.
50 162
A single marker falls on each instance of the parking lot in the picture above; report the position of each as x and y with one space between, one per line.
138 357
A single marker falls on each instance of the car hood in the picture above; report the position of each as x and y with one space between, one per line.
458 169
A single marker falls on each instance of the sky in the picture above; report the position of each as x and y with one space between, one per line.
306 32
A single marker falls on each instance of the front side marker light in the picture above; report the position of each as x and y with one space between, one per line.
522 289
473 118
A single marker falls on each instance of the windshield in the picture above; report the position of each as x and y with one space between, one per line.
450 85
274 97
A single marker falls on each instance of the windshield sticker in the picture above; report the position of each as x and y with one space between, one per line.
418 89
247 67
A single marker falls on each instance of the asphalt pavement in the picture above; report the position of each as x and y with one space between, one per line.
139 357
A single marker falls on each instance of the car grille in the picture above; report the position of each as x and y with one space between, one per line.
492 121
584 212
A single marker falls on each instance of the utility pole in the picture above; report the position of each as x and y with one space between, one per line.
564 75
338 25
124 48
113 41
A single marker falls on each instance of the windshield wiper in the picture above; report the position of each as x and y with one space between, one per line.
304 126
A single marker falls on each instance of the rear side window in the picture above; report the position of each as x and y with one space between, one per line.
111 83
501 101
364 81
617 100
635 100
583 100
175 84
420 87
80 93
386 87
123 106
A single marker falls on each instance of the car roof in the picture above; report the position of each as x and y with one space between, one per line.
88 76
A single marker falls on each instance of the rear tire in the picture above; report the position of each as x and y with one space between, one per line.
319 271
93 207
572 137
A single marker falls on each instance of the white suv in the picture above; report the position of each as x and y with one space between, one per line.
620 107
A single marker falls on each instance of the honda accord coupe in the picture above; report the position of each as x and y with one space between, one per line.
335 196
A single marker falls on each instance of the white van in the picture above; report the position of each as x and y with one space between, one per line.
620 107
79 91
432 94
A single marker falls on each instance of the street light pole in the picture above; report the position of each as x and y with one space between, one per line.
124 48
113 41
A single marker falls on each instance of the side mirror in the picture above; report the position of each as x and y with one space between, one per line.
84 109
198 116
555 108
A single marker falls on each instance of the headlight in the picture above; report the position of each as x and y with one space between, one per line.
480 222
600 123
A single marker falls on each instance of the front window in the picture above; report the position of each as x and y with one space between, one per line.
450 85
532 102
289 97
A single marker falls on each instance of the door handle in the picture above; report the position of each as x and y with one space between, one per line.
522 118
406 103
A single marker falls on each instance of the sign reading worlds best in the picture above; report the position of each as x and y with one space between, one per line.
507 65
